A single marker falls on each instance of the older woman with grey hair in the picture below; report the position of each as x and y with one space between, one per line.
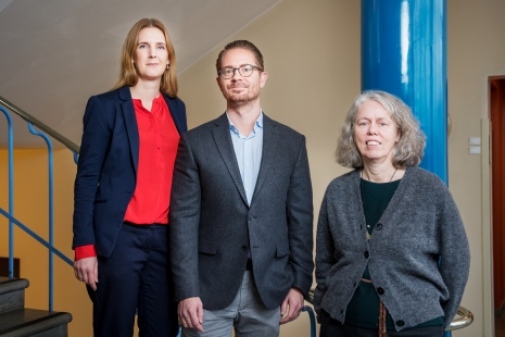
392 256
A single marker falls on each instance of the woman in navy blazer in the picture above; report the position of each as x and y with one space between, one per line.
122 189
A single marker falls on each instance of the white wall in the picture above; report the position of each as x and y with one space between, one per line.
475 51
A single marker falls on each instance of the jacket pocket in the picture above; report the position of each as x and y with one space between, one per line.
207 248
282 250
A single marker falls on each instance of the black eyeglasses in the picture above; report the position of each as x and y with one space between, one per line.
245 70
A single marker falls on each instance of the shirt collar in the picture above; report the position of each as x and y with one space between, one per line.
257 124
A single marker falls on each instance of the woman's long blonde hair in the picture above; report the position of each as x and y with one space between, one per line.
128 74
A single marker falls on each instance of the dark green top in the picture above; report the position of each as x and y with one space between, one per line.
363 310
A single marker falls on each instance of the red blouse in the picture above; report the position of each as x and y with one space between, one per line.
159 139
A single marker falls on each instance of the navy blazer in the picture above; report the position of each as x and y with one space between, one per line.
213 229
107 166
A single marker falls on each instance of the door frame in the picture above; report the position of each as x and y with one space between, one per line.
487 218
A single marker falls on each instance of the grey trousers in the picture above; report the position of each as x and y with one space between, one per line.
246 314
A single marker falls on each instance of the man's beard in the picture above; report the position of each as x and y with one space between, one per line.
242 97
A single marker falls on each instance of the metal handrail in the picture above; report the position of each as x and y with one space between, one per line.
40 125
51 207
6 107
37 237
10 175
464 318
312 318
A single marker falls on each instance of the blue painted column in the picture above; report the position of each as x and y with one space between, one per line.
404 52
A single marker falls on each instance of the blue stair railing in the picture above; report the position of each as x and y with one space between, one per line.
45 133
312 318
37 237
51 208
10 168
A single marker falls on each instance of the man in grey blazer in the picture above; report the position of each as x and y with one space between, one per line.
241 213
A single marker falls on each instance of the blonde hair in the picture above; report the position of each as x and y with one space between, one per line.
128 74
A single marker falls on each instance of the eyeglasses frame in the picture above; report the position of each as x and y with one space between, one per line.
238 69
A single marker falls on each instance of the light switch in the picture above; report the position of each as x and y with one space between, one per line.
474 141
474 149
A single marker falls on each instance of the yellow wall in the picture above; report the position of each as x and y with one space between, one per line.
312 53
31 208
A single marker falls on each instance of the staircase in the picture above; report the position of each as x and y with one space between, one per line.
17 321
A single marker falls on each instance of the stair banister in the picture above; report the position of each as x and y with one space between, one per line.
40 125
50 171
10 159
7 107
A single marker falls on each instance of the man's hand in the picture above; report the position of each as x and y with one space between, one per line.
190 312
86 270
291 306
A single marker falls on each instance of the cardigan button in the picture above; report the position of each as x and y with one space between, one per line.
379 226
380 291
400 323
244 248
367 254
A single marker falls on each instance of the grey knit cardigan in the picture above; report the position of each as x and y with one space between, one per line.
418 255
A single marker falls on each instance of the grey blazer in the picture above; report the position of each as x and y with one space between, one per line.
213 229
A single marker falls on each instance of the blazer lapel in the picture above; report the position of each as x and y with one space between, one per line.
177 115
225 147
269 155
131 124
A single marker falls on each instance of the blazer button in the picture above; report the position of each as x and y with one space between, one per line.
367 254
379 226
380 291
244 248
400 323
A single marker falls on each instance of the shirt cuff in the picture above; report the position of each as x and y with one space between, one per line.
83 252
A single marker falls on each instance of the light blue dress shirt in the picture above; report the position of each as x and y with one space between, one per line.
248 150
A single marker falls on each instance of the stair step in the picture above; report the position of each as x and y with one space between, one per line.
34 323
12 293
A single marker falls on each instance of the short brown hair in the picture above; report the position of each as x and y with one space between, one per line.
240 44
128 74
